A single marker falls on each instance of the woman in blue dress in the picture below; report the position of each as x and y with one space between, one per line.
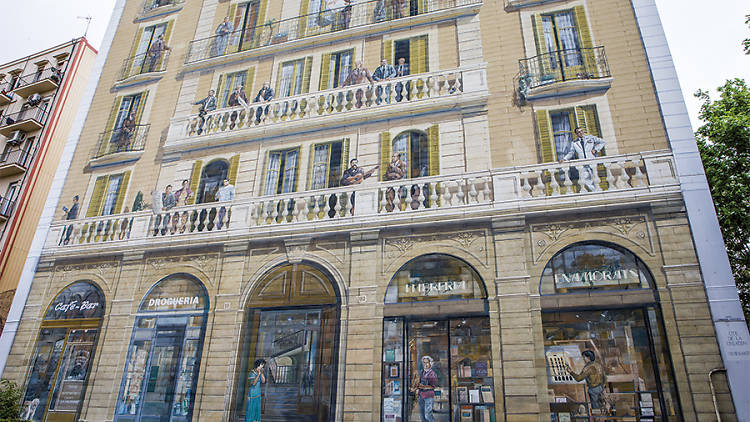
253 391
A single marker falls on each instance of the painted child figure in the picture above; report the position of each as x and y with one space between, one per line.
256 377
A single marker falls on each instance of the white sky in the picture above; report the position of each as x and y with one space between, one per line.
705 41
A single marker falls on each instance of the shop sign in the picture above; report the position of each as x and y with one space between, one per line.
605 276
174 302
420 287
75 306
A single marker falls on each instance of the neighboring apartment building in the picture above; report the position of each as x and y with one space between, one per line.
477 262
39 95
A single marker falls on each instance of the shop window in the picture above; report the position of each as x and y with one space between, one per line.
556 129
327 161
108 194
161 370
63 354
435 277
281 172
437 368
335 68
292 325
594 266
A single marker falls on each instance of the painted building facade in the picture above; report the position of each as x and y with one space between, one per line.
39 95
440 210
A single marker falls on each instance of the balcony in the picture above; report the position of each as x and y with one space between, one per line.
154 8
120 145
442 90
38 82
15 161
141 68
6 209
564 72
363 16
620 181
27 120
6 94
513 5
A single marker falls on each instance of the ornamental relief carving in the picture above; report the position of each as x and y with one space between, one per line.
162 266
336 250
105 272
473 243
632 230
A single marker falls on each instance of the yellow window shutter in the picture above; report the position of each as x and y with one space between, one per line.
546 143
113 114
195 178
234 168
325 70
235 17
168 31
580 121
121 191
134 50
592 120
219 90
385 153
303 11
388 52
433 138
296 170
141 107
262 11
422 6
97 196
310 166
344 153
278 79
584 33
539 40
418 55
249 76
307 71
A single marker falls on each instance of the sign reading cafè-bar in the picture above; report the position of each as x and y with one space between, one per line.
606 276
432 288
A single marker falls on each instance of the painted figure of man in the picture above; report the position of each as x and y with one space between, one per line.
225 193
426 390
345 15
358 75
378 15
237 97
596 378
402 69
396 171
396 8
584 147
207 104
70 214
265 94
126 131
168 202
222 36
155 52
354 175
384 72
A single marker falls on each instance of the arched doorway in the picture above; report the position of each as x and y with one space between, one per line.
437 345
292 323
64 350
212 176
161 370
604 339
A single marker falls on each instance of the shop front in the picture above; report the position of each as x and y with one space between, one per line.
161 371
437 363
292 329
607 360
63 353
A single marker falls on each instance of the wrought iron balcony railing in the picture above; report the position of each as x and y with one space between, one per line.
36 82
144 63
150 5
6 207
562 65
409 200
121 140
18 157
275 32
27 120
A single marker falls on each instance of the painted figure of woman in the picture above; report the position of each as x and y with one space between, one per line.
253 391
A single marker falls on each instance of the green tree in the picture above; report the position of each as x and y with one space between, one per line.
724 144
10 400
746 43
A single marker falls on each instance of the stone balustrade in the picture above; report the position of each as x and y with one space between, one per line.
490 192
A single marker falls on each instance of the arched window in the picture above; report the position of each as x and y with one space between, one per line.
211 178
594 266
64 353
435 277
414 147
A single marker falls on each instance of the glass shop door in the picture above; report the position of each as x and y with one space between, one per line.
161 373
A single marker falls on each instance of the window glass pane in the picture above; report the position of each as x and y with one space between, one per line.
290 172
429 371
69 387
43 370
420 159
320 166
471 357
600 364
135 369
272 173
287 75
298 72
393 370
434 277
562 132
568 36
594 266
113 189
175 293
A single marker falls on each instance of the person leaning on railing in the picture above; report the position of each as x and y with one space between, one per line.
265 94
207 104
222 36
584 147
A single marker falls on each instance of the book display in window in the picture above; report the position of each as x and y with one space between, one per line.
472 376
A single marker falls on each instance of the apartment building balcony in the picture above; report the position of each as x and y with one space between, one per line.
6 209
27 120
15 161
564 72
142 68
120 145
619 181
319 27
513 5
38 82
6 94
428 92
154 8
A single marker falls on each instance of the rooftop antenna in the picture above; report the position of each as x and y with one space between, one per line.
88 22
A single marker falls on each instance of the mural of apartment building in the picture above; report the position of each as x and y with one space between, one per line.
394 210
39 95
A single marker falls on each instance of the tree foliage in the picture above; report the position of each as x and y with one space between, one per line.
724 144
10 400
746 43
